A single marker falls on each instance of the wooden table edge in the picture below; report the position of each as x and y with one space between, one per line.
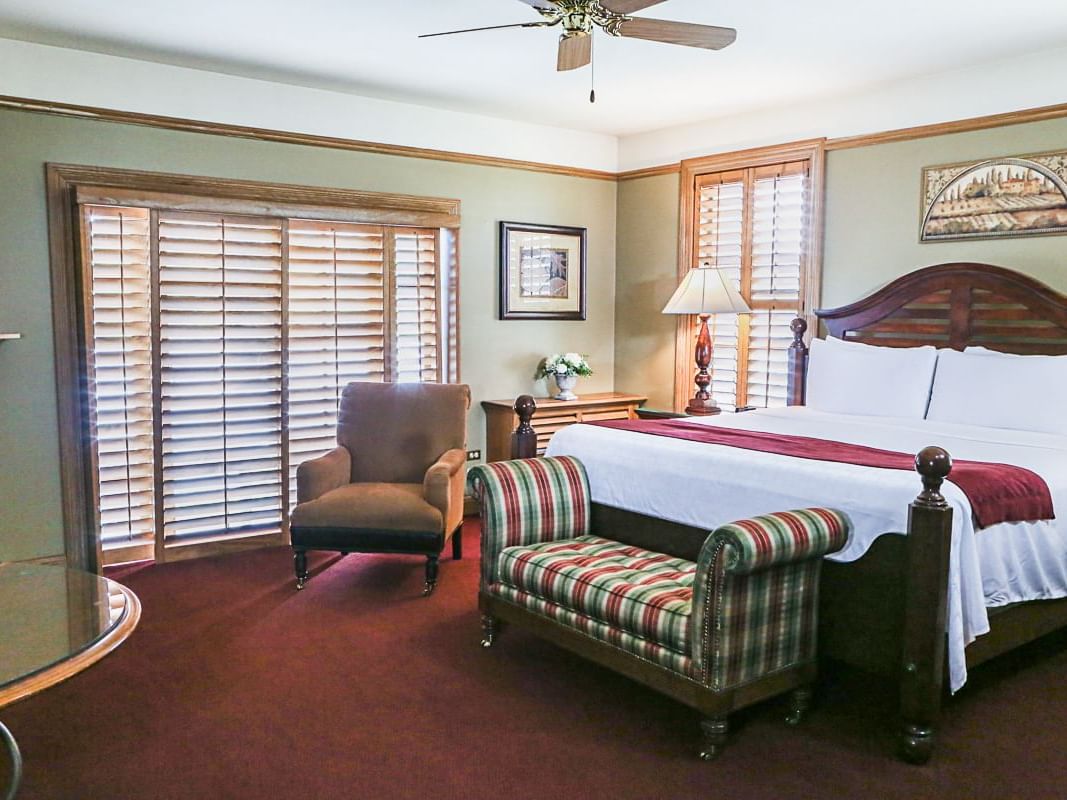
57 673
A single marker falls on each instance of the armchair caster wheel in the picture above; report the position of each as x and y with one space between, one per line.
428 588
300 583
487 642
710 753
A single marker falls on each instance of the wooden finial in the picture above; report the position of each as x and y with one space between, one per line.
933 464
524 439
799 327
525 406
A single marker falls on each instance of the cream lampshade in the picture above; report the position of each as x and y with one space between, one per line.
705 291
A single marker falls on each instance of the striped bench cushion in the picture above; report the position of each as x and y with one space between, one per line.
646 594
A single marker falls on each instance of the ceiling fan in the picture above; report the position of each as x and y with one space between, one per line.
580 18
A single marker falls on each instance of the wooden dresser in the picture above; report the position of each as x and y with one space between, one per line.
501 421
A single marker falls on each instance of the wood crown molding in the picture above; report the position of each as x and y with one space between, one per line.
339 143
288 137
897 135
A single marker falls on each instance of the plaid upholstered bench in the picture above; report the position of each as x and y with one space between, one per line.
733 628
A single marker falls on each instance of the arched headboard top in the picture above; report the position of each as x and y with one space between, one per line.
957 305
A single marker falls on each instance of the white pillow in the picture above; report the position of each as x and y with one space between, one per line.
999 390
854 378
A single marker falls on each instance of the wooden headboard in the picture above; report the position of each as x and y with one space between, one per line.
949 305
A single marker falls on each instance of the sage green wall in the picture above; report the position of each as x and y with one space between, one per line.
646 268
871 237
497 358
872 211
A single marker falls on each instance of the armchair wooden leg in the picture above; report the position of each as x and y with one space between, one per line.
714 731
457 544
431 576
799 704
300 566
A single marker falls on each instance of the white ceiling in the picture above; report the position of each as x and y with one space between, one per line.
785 51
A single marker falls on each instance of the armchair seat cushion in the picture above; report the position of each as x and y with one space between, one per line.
370 506
645 594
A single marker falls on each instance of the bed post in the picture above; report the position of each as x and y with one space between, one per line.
524 439
798 363
925 608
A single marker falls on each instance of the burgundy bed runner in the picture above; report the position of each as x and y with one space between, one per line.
997 492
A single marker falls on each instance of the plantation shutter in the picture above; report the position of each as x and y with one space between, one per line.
753 223
220 376
416 302
337 327
217 349
779 231
721 243
116 242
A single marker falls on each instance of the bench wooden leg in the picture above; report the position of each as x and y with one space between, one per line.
799 704
713 731
457 544
489 629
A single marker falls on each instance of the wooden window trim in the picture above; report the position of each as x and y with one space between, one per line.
692 175
68 185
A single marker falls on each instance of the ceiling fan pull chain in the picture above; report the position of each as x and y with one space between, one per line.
592 68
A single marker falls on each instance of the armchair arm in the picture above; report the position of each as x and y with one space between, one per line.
529 501
319 475
443 487
755 596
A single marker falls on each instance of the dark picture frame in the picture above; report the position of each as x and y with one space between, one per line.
538 266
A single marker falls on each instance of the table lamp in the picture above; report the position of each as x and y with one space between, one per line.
705 291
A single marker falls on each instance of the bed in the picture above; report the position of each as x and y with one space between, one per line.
888 600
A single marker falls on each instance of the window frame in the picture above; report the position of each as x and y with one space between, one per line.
70 186
691 170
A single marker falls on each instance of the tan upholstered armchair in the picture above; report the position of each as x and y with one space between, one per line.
394 483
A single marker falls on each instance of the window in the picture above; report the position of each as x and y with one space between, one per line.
217 348
755 216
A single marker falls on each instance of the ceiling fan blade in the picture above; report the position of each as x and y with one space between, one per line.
575 51
547 5
489 28
626 6
688 34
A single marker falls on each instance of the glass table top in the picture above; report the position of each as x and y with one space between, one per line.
49 615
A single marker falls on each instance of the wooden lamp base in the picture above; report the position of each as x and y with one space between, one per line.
702 403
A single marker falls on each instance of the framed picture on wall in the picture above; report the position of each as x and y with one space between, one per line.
1016 196
542 271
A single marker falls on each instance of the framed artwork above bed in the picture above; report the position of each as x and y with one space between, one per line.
1014 196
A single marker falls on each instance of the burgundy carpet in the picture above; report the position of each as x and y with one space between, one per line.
236 686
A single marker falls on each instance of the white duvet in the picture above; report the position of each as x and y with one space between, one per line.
706 485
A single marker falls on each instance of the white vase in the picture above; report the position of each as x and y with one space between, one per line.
566 384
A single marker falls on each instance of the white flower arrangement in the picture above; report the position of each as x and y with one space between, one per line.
564 364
